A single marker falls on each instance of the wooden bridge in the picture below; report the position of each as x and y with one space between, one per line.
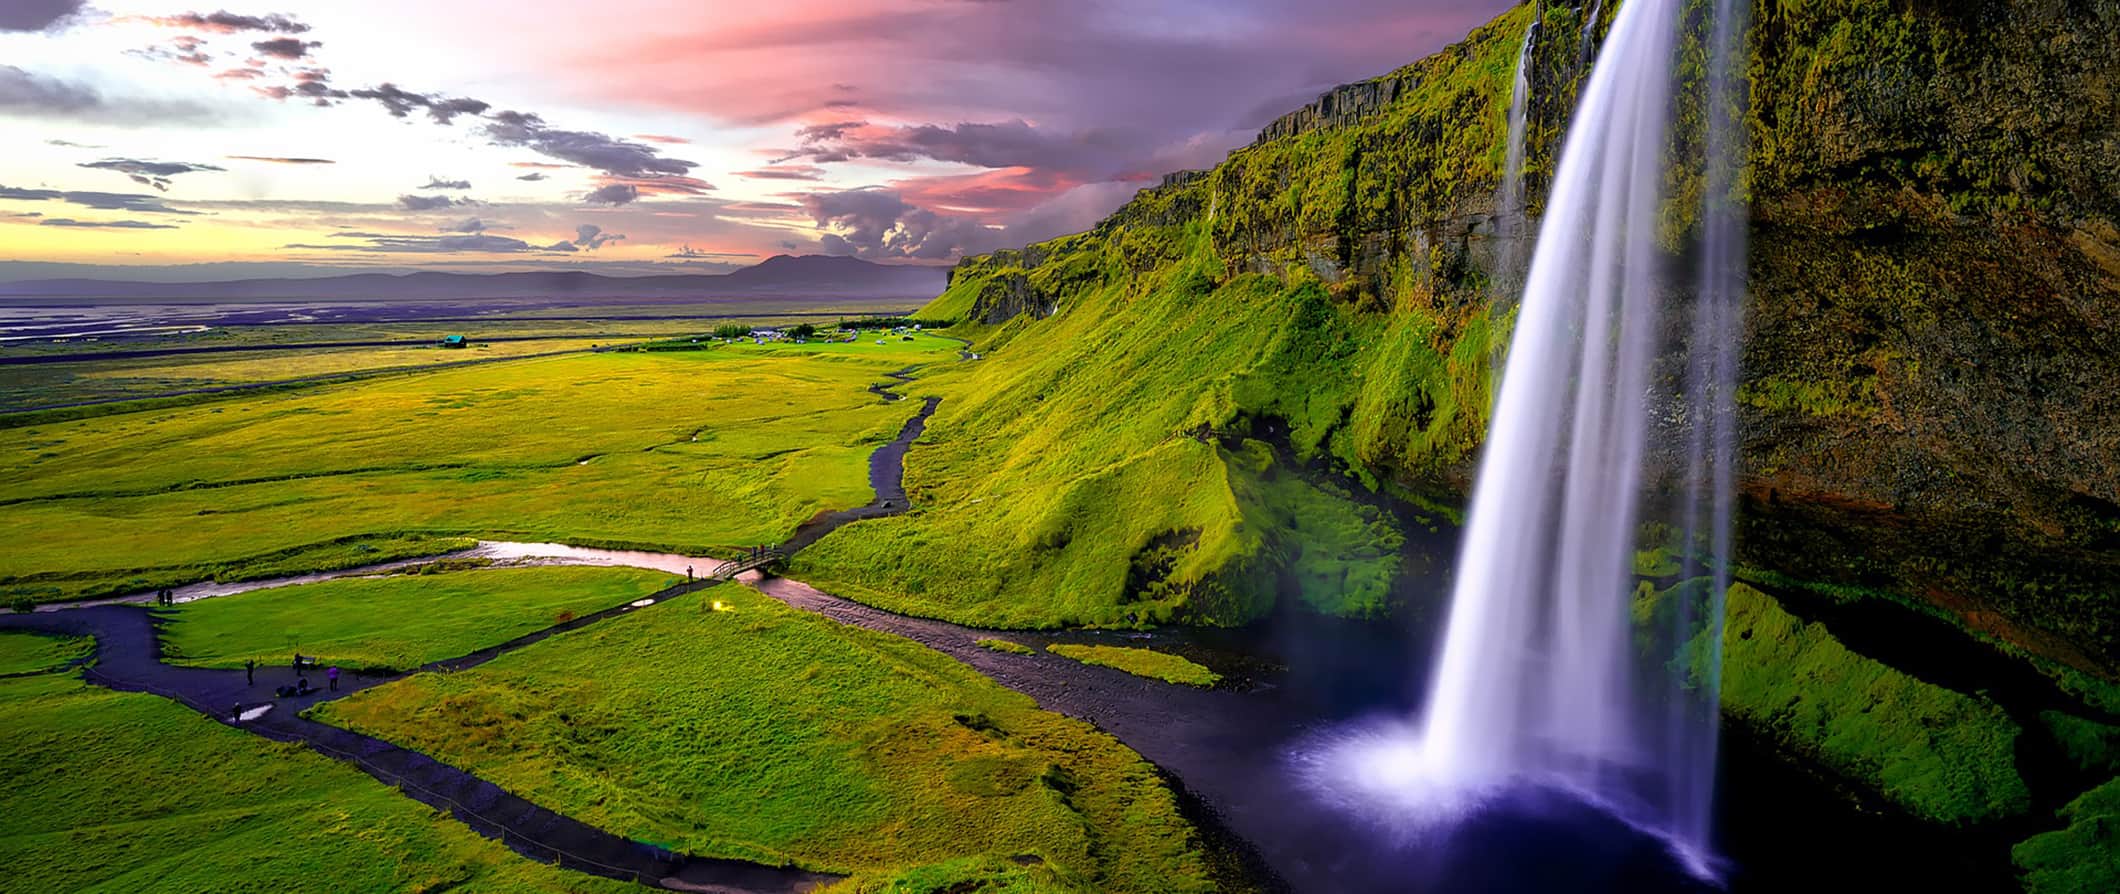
753 562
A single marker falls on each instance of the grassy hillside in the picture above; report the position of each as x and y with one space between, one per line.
1929 374
1170 432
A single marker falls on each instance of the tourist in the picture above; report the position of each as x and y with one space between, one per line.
332 676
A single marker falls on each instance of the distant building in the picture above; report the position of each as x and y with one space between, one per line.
454 341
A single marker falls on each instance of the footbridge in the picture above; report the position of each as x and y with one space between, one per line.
756 560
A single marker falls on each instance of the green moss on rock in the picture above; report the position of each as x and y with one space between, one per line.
2083 857
1944 755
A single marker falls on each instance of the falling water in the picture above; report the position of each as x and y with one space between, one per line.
1541 680
1533 676
1691 725
1509 219
1584 45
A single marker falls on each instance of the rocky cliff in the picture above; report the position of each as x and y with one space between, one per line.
1932 375
1264 386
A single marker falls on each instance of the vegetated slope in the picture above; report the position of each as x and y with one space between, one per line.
1930 377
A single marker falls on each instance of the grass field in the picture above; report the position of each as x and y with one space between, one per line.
1140 662
399 621
126 792
706 451
771 734
49 384
22 652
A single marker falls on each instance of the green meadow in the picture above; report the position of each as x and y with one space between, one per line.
696 451
397 621
111 791
766 733
22 652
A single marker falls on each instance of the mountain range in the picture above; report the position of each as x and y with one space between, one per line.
781 275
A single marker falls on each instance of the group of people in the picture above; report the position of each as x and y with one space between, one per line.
302 663
165 597
300 687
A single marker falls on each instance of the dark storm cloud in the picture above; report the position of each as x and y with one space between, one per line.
401 103
225 22
434 182
286 47
879 223
105 224
611 155
429 203
612 194
101 201
313 84
37 15
28 95
149 173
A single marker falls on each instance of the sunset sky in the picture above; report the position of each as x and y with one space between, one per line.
631 137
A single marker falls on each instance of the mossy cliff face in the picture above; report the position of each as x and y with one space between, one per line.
1932 375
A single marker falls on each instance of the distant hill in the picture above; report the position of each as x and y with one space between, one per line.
808 276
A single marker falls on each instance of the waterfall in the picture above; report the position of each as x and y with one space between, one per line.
1533 674
1704 516
1543 678
1509 218
1582 53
